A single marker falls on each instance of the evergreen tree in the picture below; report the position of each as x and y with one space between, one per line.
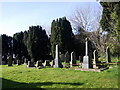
61 34
36 41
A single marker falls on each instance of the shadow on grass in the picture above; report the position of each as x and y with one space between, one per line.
13 84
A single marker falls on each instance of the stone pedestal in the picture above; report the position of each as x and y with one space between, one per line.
57 59
85 63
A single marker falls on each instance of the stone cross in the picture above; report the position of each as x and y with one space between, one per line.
73 59
57 59
108 55
95 60
67 57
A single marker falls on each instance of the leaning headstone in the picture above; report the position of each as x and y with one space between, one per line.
30 64
47 63
86 59
67 57
9 61
108 60
57 59
39 64
73 59
95 60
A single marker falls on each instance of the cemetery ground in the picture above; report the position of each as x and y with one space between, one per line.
23 77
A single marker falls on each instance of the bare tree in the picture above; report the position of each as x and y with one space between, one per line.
86 24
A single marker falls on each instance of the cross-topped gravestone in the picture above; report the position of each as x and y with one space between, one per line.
67 57
57 59
108 60
73 59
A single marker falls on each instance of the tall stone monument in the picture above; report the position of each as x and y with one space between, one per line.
57 59
108 60
86 59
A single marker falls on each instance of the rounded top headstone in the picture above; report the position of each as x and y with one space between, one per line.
86 39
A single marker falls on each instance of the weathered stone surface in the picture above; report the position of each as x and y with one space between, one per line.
95 60
57 59
87 62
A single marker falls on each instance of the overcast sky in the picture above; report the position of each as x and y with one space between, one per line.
18 16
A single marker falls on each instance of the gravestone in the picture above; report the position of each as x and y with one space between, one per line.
81 60
30 64
25 61
39 64
62 57
108 59
52 63
57 59
73 59
18 62
47 63
86 59
95 60
67 57
9 61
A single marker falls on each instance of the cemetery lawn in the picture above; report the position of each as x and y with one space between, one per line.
22 77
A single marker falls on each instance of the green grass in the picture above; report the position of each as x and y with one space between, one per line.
22 77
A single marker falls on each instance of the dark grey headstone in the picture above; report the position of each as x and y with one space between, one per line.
108 59
67 57
30 64
73 59
9 61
